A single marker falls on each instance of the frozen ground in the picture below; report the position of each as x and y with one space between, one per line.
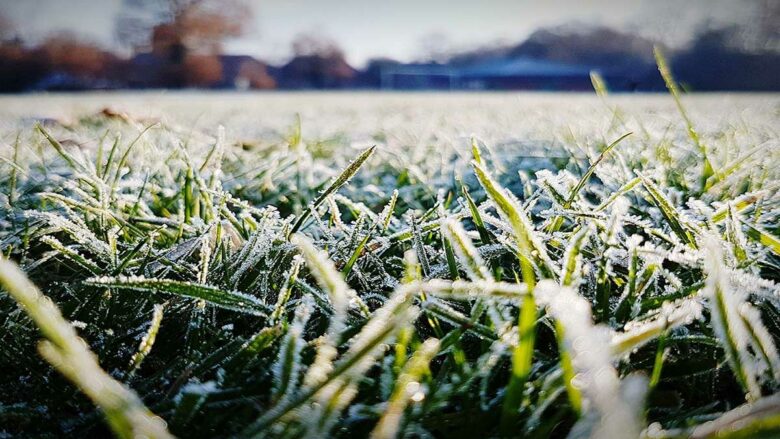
207 250
408 117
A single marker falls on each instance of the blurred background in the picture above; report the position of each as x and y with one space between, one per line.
712 45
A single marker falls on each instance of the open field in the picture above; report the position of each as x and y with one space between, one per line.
421 265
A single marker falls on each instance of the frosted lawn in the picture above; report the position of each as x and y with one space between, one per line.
423 265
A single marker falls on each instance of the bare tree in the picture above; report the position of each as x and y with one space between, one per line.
202 70
318 63
7 28
310 44
198 25
185 36
66 52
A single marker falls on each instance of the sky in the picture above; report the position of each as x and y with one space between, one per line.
402 29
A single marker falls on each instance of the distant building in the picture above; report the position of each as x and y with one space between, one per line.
428 76
328 70
493 74
145 70
63 81
524 74
242 72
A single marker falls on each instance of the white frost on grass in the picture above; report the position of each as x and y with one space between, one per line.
591 356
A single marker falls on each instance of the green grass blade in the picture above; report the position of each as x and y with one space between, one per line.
387 212
329 278
71 254
126 414
571 257
126 155
72 162
739 204
571 267
355 255
762 340
590 356
288 363
618 193
339 181
103 170
759 419
671 85
286 290
569 374
763 237
258 343
419 246
558 221
476 152
523 233
728 169
386 322
469 256
599 85
668 211
484 235
148 341
407 388
730 328
230 300
512 212
592 168
466 290
522 363
672 315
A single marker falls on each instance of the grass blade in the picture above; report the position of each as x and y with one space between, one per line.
761 340
230 300
126 414
386 322
72 162
329 278
558 221
739 204
671 85
758 419
512 212
407 388
571 267
667 210
484 235
572 259
288 364
588 347
71 254
523 233
618 193
286 290
148 341
599 85
469 257
763 237
339 181
730 328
